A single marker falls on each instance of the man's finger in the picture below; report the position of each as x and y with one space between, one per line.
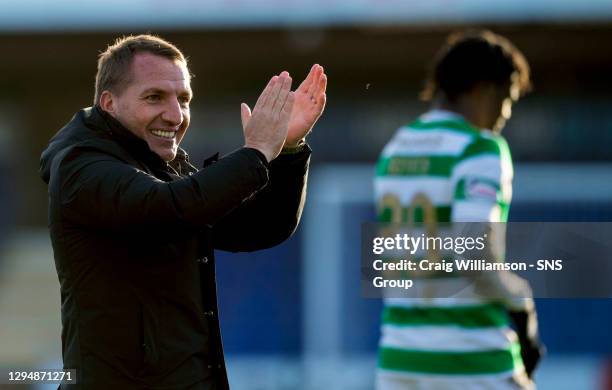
282 95
285 113
318 70
321 87
274 91
315 80
308 80
265 94
317 84
245 114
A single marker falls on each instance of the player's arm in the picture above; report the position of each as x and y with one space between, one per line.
482 191
482 182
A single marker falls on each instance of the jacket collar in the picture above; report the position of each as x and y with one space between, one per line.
102 120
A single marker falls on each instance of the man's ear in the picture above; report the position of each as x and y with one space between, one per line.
107 102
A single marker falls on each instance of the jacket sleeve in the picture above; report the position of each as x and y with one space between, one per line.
272 215
100 191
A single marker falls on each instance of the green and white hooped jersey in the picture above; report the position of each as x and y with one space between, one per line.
462 174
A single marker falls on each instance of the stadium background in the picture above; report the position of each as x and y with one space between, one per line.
292 316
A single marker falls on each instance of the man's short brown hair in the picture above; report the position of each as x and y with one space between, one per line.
115 62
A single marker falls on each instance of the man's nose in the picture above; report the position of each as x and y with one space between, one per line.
173 114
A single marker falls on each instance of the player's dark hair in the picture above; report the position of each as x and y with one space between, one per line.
114 63
470 57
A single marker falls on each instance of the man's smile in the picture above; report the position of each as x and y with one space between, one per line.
165 134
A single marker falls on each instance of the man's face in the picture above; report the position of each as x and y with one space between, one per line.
155 104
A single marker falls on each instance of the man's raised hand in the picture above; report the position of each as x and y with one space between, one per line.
266 128
309 103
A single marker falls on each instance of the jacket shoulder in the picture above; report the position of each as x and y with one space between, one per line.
89 151
70 160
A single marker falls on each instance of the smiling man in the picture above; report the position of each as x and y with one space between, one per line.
134 224
153 101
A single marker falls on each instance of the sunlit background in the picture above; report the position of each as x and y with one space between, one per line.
293 317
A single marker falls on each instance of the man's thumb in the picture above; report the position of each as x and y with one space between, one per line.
245 114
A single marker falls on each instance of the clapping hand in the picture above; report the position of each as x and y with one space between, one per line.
266 128
308 105
282 118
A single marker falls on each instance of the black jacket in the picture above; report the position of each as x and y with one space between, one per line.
133 240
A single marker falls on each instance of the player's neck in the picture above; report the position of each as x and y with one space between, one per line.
469 109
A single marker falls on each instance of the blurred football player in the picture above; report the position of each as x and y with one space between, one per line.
452 165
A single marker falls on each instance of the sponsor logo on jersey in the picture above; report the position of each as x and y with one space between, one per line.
479 189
